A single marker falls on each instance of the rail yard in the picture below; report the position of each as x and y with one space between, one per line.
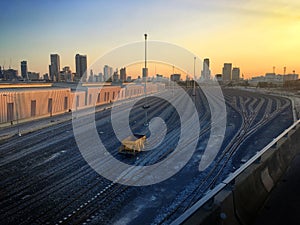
45 180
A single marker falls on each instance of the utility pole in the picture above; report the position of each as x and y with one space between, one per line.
145 75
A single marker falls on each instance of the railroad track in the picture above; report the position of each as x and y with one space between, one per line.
41 199
32 143
151 156
248 128
98 198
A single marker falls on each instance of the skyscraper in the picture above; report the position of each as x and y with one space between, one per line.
24 70
205 73
54 67
50 73
67 74
81 67
236 74
115 77
175 77
145 74
123 74
1 73
227 72
107 72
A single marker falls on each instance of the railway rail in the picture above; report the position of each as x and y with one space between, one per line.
80 196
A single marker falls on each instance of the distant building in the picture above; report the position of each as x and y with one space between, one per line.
115 77
236 74
273 79
123 74
1 73
54 68
175 77
66 74
91 77
10 74
46 76
129 79
270 76
50 73
205 73
24 70
96 78
99 78
145 74
33 76
218 77
81 67
226 74
107 72
187 78
291 77
159 77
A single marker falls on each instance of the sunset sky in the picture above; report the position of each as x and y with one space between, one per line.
254 35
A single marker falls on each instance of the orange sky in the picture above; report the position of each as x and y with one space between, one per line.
254 35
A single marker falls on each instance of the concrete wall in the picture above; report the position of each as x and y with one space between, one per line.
240 202
131 91
77 100
22 103
135 90
63 99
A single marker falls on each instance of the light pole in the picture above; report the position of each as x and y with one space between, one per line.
145 75
17 114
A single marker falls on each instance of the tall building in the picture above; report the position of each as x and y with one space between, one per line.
33 76
46 76
205 73
145 74
1 73
24 70
54 68
227 69
236 74
175 77
81 67
129 79
218 77
10 74
66 74
100 77
115 77
107 72
123 74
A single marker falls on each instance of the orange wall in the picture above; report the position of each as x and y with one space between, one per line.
22 99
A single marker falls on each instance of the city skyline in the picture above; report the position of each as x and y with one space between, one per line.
254 35
156 68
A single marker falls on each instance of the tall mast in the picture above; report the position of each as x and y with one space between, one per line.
145 75
145 50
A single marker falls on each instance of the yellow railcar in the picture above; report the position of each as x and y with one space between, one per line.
133 144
